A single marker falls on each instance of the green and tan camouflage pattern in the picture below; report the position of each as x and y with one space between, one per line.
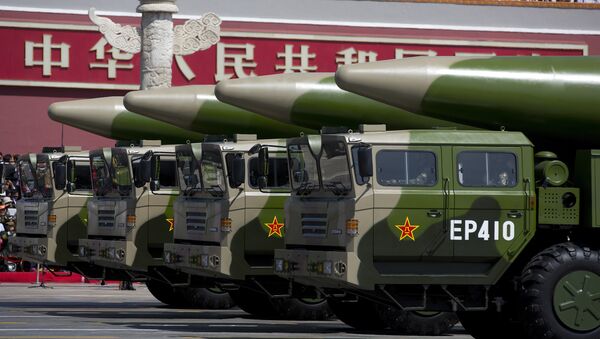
377 255
196 108
131 247
58 246
314 100
109 118
247 248
547 98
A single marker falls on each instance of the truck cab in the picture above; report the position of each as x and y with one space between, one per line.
52 214
229 219
130 213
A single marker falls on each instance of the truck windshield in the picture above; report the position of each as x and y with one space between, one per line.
36 181
111 176
211 168
187 170
328 170
204 176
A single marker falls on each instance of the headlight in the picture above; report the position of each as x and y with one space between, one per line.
214 260
167 257
278 265
111 253
120 254
204 260
327 267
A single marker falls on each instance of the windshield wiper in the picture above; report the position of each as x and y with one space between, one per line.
337 187
306 188
216 191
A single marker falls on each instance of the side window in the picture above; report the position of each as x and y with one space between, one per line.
79 174
406 168
168 173
487 169
279 176
359 180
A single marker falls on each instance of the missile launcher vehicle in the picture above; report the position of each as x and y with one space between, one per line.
476 222
130 217
226 228
52 214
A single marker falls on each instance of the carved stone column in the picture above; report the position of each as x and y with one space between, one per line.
157 42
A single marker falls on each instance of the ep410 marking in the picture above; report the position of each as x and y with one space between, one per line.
488 230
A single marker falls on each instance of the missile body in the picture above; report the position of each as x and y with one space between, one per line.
551 99
314 100
109 118
196 108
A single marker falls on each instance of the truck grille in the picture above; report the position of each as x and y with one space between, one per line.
31 218
314 224
106 218
196 221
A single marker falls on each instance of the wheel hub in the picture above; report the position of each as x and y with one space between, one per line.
577 300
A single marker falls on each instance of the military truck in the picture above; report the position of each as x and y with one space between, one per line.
226 227
52 214
475 222
130 217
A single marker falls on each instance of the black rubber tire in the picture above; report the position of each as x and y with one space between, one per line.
205 298
256 303
539 278
301 309
165 293
407 322
362 314
489 325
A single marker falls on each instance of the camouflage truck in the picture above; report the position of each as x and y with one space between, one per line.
52 214
130 217
227 228
434 220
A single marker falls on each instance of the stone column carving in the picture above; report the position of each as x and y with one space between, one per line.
157 40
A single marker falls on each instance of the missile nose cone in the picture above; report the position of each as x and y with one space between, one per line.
163 103
272 96
402 83
94 115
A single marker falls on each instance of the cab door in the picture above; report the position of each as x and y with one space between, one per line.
79 176
410 206
160 201
490 199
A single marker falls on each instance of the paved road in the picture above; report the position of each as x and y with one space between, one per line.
103 312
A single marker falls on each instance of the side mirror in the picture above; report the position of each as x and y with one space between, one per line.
300 176
365 162
60 176
237 171
263 162
143 173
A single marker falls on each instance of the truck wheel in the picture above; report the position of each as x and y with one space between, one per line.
360 313
164 293
489 324
561 293
253 302
206 298
302 309
417 323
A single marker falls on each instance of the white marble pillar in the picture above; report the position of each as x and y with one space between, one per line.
157 42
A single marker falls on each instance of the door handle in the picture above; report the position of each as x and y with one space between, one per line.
434 214
514 214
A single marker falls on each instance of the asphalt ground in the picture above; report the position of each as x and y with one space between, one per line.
104 312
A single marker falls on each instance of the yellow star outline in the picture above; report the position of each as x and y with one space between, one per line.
171 224
275 228
407 229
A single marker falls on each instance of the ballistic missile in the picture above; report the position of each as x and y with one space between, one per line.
314 100
196 108
109 118
548 98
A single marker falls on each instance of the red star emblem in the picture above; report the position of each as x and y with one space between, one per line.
275 228
407 229
171 225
